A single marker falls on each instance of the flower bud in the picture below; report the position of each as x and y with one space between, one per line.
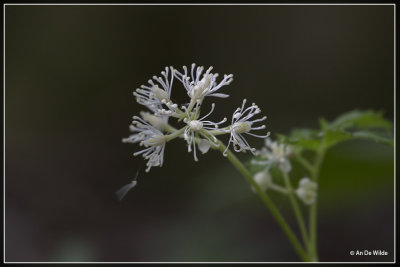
204 146
263 179
284 165
307 191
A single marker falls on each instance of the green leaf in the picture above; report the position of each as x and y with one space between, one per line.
369 125
304 138
332 138
323 124
360 119
313 144
374 136
357 124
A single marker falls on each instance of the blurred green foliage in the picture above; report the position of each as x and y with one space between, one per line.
369 125
363 165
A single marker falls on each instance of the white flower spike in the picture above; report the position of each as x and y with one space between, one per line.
153 131
242 124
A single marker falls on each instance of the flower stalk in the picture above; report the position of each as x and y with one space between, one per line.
312 251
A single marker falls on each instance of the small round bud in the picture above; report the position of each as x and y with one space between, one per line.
204 146
195 125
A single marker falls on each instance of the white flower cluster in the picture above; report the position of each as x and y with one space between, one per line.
274 153
307 191
152 130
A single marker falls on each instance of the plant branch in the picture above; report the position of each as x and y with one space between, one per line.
265 198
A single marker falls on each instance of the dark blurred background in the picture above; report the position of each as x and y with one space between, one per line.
70 73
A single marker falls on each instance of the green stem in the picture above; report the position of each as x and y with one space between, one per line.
313 252
296 209
170 129
305 163
278 188
175 133
219 131
193 102
267 201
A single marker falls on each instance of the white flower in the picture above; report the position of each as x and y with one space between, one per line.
307 191
242 124
196 125
151 138
198 86
275 153
153 96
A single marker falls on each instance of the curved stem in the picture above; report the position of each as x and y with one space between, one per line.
278 188
313 252
296 209
305 163
267 201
